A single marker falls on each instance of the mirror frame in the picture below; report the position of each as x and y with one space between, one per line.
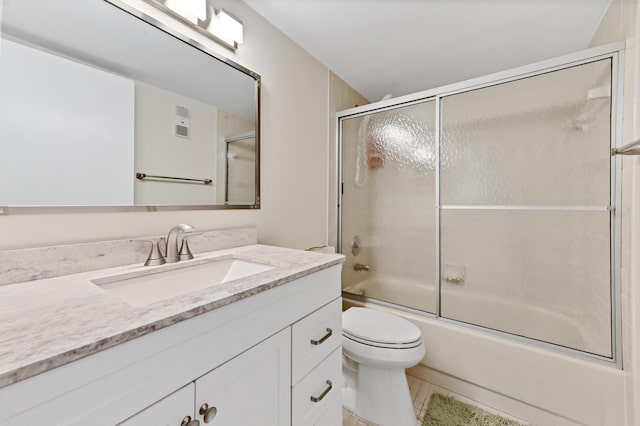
13 210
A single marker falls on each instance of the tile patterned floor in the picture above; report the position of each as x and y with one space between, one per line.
420 392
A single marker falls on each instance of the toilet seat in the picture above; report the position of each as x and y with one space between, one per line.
369 342
380 329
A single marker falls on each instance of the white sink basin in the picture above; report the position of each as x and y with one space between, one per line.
176 279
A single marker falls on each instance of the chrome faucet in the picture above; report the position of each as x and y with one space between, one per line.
176 235
357 267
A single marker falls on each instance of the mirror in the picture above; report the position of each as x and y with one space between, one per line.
100 108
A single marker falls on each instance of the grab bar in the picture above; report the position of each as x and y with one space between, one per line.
632 148
143 176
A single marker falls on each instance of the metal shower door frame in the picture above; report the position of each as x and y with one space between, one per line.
615 52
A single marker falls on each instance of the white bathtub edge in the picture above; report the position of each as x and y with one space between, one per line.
537 385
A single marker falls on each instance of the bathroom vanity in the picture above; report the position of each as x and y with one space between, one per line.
263 349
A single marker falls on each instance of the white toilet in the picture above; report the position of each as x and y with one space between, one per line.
376 348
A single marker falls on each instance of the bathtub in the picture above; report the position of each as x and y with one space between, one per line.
472 308
532 382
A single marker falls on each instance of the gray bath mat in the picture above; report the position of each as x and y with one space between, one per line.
445 411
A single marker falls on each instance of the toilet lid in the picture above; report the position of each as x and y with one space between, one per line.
377 326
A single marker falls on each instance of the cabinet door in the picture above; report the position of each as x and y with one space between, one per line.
250 389
169 411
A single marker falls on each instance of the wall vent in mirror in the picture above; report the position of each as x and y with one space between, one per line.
77 123
183 122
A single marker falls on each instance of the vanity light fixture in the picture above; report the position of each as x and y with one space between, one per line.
226 27
191 10
217 24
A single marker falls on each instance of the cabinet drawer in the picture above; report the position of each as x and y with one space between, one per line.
317 399
314 337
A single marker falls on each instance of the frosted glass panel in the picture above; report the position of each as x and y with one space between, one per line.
539 274
542 140
524 181
389 203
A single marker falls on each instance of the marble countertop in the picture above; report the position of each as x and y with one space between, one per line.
50 322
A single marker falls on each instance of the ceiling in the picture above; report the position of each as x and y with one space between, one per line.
399 47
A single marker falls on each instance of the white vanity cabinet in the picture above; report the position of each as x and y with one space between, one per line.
257 361
174 409
250 389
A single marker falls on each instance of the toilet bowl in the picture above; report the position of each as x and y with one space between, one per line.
376 349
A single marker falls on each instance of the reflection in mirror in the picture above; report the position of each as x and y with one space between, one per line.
93 96
240 157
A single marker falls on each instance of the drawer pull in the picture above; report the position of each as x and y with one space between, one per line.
325 337
324 393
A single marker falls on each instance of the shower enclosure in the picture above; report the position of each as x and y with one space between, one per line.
240 168
491 203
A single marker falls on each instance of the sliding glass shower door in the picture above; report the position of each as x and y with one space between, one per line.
490 205
388 210
525 207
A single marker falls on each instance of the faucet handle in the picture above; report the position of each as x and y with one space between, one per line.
155 256
185 253
163 241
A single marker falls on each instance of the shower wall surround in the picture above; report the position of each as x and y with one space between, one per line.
519 222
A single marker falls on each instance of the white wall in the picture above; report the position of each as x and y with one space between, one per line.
158 151
620 22
37 88
294 163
